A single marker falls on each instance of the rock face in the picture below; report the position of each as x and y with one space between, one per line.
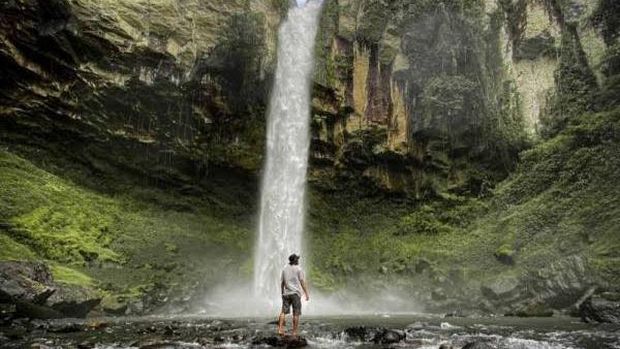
600 309
107 78
169 90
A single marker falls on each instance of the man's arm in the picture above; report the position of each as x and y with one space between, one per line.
304 285
282 283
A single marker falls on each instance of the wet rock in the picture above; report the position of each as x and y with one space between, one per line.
358 333
66 328
282 341
599 309
389 336
86 345
477 345
416 326
162 345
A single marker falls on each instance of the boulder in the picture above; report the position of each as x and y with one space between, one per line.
389 336
25 281
477 345
114 305
30 310
533 309
74 301
358 333
599 309
281 341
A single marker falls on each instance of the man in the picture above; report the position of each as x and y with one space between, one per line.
293 282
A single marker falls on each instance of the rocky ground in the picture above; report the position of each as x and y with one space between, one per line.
133 135
369 333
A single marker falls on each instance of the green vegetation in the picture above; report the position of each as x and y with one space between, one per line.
561 201
71 276
152 235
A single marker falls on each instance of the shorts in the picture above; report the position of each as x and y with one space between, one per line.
293 300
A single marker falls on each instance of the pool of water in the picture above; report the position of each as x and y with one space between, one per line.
419 331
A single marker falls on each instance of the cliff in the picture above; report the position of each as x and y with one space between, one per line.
457 145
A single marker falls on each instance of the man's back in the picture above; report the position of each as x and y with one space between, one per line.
292 276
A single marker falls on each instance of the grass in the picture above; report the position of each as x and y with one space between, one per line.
70 276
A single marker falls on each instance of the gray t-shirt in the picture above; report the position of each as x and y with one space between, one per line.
292 276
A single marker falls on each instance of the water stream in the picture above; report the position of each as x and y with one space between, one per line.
282 211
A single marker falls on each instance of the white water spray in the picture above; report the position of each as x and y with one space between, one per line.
288 139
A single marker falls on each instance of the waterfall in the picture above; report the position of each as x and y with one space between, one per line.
282 211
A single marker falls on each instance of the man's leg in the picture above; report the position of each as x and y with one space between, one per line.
295 325
281 322
296 314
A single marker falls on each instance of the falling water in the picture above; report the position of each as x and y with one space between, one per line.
288 139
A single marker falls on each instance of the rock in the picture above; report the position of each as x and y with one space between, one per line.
86 345
446 346
438 295
611 296
282 341
114 305
17 332
501 289
477 345
74 301
562 282
34 311
389 336
534 309
599 309
27 281
416 326
67 328
162 345
574 310
358 333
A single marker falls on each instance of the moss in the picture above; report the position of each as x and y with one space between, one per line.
14 251
70 276
76 228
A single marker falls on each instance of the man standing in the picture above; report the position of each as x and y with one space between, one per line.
293 282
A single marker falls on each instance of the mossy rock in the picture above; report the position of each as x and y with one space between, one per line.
505 255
